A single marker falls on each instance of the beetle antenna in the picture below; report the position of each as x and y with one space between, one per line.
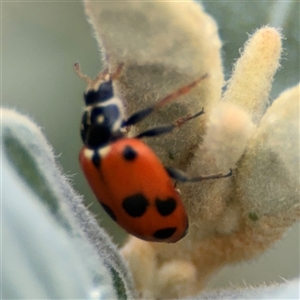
80 74
182 91
117 72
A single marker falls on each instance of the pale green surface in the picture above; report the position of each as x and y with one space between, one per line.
44 252
48 234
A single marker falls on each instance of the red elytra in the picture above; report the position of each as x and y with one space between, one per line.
144 182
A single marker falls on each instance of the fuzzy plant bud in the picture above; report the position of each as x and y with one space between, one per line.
163 46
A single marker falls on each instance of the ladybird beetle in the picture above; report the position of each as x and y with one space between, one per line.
128 179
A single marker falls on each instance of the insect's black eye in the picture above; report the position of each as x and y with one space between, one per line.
104 93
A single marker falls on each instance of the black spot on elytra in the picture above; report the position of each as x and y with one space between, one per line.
135 205
129 153
109 211
165 207
165 233
96 159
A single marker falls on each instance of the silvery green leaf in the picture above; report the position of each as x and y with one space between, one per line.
52 247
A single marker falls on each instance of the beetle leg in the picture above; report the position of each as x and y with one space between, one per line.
144 113
182 177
